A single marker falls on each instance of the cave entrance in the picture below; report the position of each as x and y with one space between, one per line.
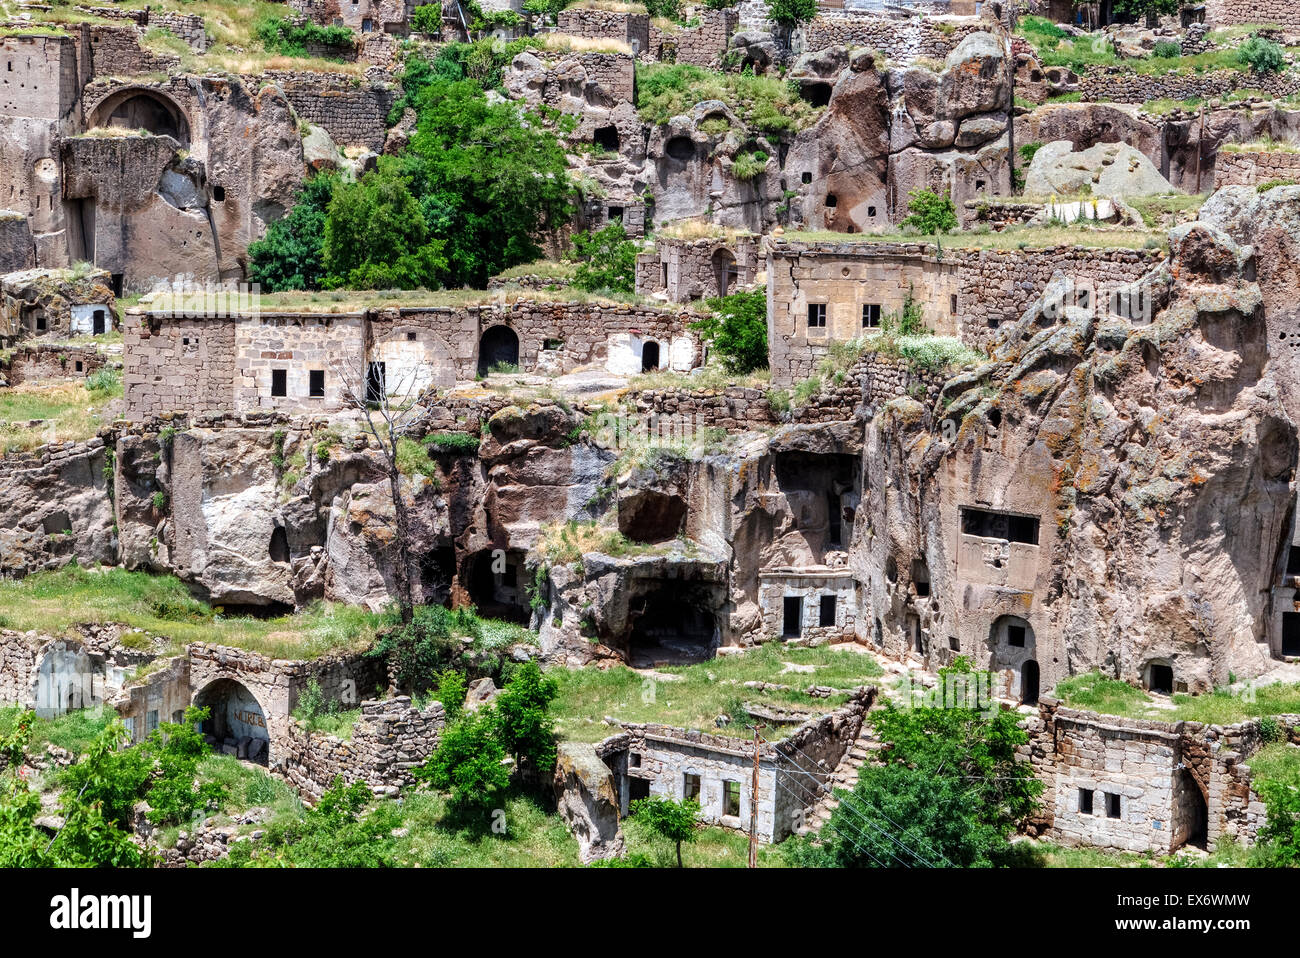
816 94
498 351
436 570
666 630
606 137
497 587
279 545
236 723
1160 678
725 273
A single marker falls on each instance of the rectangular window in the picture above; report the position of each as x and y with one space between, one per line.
150 721
1085 801
1016 636
279 382
731 799
827 617
633 760
816 315
690 787
316 383
871 316
1293 561
999 525
1112 805
952 304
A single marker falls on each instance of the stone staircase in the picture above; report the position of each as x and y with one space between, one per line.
845 776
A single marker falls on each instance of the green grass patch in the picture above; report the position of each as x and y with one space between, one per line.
74 731
704 691
766 103
1225 706
1097 693
55 601
68 411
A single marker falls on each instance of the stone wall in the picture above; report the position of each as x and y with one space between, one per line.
1223 13
389 740
687 270
702 45
177 364
1232 168
42 361
869 383
630 28
352 114
735 408
1121 85
1237 812
17 665
997 285
902 40
116 51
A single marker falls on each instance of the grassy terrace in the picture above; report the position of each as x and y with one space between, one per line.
64 411
1013 237
1097 693
55 602
697 694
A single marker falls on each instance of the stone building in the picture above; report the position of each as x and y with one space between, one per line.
630 27
56 303
299 361
718 771
685 270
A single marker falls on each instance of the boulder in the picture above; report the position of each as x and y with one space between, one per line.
1107 169
587 799
480 693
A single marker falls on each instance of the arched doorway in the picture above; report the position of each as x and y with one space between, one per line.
649 356
67 679
724 271
137 108
1029 683
498 350
236 724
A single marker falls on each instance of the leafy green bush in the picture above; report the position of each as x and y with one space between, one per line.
1262 56
469 762
929 213
736 329
790 13
291 39
766 103
747 166
421 650
427 18
607 260
524 726
1167 49
104 380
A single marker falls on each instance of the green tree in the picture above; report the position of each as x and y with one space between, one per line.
469 761
668 819
376 235
950 792
607 260
489 179
524 725
452 687
419 650
1149 9
290 255
930 213
427 18
791 13
736 330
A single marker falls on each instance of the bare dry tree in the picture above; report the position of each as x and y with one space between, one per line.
387 409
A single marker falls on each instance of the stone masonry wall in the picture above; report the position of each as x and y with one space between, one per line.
40 361
702 45
872 381
900 40
630 28
1223 13
389 740
17 661
1253 168
735 408
350 113
1121 85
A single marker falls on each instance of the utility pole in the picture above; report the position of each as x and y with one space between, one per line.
753 809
